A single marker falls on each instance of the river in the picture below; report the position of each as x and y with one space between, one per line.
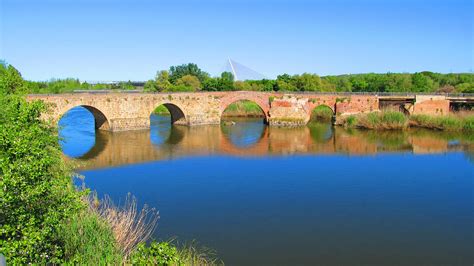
315 195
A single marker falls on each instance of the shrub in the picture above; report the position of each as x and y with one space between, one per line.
155 254
37 194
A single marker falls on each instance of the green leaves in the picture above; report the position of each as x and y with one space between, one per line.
156 253
36 192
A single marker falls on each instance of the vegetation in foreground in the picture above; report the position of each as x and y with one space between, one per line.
44 219
387 120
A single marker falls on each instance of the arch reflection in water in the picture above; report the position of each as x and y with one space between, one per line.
321 132
163 132
245 133
77 132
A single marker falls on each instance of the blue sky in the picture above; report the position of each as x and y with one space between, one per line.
132 39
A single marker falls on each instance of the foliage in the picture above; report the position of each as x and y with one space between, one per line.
10 80
37 192
177 72
162 253
189 81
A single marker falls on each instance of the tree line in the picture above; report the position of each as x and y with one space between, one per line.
189 77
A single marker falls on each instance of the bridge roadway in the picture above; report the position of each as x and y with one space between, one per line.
119 111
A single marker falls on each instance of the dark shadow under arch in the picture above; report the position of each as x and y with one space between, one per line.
177 115
100 120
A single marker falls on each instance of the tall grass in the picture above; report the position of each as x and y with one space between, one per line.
397 120
448 123
378 120
89 240
129 226
192 253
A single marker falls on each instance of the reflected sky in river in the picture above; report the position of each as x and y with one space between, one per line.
311 195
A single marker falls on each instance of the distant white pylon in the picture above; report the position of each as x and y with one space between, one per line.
233 69
241 72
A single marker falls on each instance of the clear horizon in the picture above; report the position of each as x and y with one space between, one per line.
131 40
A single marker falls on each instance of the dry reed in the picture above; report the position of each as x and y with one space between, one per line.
129 226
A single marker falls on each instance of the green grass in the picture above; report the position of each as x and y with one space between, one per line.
397 120
161 110
377 120
447 123
243 108
89 240
322 113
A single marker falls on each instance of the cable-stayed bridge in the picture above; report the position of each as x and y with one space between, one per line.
242 72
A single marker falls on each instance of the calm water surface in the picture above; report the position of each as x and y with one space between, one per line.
315 195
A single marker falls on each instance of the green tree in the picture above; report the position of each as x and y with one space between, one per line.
10 80
189 81
162 80
177 72
308 82
422 83
226 82
211 84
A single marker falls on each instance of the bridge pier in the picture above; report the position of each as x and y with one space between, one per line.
123 124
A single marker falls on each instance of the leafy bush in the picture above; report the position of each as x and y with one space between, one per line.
37 193
162 253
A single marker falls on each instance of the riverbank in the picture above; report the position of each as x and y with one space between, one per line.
390 120
45 219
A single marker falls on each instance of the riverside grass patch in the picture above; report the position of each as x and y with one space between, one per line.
377 120
447 123
391 120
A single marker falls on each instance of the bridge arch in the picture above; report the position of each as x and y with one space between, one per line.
100 119
322 112
177 113
262 100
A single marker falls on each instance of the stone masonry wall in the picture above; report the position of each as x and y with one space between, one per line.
128 111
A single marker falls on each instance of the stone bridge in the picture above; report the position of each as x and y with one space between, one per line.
120 111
